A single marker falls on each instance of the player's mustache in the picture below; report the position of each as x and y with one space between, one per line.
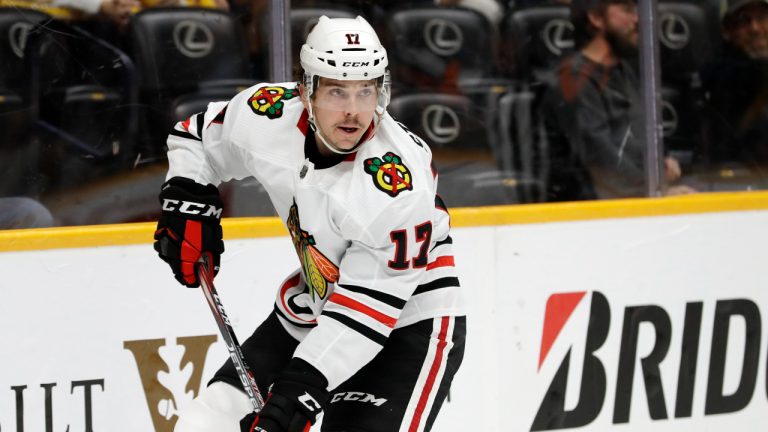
350 124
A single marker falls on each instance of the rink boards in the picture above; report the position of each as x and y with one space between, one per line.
629 315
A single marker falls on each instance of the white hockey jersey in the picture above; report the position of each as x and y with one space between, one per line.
371 235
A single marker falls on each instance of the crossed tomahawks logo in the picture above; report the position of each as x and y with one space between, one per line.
269 101
389 174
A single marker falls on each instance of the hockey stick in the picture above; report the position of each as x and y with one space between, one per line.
222 320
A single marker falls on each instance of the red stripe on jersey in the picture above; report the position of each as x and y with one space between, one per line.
290 283
350 157
219 119
356 305
443 261
441 343
185 124
368 134
303 123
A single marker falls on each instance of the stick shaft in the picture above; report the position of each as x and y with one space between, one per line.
228 334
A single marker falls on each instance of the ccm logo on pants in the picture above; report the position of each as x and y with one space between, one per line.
358 397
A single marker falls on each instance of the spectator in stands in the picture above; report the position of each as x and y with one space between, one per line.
21 212
736 131
593 113
114 11
118 12
529 3
490 9
212 4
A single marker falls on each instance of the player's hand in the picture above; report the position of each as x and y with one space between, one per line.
294 402
672 169
188 227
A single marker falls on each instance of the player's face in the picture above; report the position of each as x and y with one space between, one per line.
748 30
344 110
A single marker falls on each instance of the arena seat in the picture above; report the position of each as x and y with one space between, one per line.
433 47
688 39
681 123
178 50
18 155
87 97
189 104
523 146
72 91
304 18
463 143
17 105
534 40
15 27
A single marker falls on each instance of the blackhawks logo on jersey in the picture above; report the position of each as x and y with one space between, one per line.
318 270
389 174
268 101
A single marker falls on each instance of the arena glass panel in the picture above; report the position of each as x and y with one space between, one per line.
86 102
493 88
713 78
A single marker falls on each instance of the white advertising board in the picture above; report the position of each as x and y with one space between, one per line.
620 324
638 324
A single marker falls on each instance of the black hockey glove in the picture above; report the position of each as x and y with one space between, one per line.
293 403
188 227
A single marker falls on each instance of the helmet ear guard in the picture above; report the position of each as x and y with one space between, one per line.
345 49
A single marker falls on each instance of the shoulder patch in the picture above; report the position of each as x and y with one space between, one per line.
268 101
389 174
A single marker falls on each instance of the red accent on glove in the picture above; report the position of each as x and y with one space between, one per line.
190 249
255 422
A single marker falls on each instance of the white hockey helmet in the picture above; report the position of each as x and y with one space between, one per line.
345 49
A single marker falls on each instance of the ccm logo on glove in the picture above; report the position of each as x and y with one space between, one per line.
191 208
294 401
189 227
306 399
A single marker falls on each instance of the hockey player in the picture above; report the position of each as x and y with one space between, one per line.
370 329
